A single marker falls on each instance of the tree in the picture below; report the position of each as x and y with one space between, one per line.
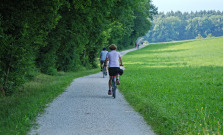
64 35
209 36
199 36
24 28
183 26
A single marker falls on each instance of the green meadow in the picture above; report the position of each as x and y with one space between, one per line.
177 87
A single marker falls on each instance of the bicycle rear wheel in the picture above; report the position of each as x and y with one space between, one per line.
103 72
114 87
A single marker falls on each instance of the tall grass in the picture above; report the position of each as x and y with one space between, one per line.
18 112
177 87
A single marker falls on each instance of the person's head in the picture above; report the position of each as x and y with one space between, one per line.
113 47
104 49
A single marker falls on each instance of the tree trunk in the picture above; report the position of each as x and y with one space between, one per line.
2 91
5 80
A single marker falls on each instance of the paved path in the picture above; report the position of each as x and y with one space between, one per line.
86 109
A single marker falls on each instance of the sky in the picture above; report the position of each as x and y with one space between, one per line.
188 5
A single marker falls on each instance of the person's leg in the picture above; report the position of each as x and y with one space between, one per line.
106 67
110 70
110 82
109 85
119 72
117 79
101 65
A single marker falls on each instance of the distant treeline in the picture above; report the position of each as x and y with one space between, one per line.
64 35
174 26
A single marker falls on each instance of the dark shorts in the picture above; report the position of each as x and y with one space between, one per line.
113 71
102 62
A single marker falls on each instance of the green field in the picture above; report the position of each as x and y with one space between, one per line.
177 87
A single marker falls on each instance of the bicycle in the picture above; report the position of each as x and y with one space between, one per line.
104 72
114 85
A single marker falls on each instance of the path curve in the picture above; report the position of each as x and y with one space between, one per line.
86 109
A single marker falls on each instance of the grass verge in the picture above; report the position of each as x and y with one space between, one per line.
177 87
20 110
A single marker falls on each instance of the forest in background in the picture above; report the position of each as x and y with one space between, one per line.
64 35
175 26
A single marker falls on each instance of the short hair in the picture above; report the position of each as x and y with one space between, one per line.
104 48
113 47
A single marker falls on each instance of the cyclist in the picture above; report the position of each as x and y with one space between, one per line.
135 44
103 54
114 68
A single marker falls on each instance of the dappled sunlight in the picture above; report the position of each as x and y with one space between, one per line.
168 50
196 53
164 66
185 63
133 63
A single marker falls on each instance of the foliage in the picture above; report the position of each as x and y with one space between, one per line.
174 26
25 25
199 36
177 87
209 36
64 35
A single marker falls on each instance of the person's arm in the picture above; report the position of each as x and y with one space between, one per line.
120 58
100 56
106 62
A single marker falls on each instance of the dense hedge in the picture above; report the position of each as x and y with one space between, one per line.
63 35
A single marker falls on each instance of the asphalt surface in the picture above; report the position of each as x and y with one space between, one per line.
86 109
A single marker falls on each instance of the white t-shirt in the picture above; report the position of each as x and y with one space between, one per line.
103 55
113 57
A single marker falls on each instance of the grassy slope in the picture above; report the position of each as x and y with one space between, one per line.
177 87
18 111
